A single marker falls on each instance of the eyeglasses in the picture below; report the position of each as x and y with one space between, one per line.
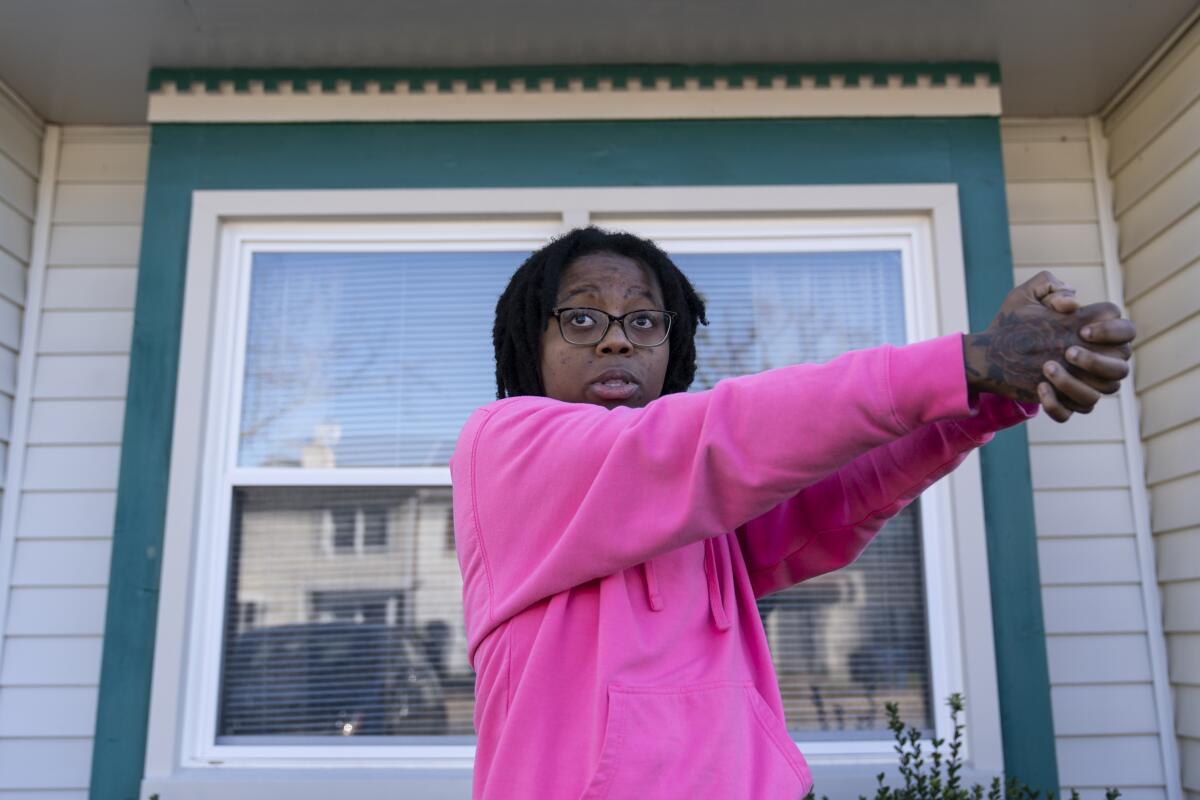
648 327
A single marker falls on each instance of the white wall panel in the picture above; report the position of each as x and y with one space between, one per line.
1163 256
1100 658
1162 156
16 231
1178 556
1109 761
36 611
99 203
1047 201
1093 609
45 763
1171 353
12 279
1046 161
80 377
41 711
1103 424
66 514
50 663
104 155
61 562
77 422
1096 644
17 187
1093 512
1088 560
1056 243
90 287
72 245
1167 304
80 468
1155 166
1091 710
1078 465
98 332
1161 208
1156 104
1174 453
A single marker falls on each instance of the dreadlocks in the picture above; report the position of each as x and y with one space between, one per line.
524 309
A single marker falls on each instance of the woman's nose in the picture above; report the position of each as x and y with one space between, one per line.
614 341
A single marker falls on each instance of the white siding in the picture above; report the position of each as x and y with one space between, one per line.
1096 632
50 666
1154 162
20 160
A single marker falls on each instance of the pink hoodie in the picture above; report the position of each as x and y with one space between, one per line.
611 561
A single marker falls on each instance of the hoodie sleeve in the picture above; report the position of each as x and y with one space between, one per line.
549 495
828 525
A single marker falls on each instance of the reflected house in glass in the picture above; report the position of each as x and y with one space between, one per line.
346 594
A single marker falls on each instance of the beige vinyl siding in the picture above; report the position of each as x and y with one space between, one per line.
50 671
20 160
1154 162
1106 729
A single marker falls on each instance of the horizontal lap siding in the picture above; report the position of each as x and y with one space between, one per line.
1155 167
1096 639
20 160
50 671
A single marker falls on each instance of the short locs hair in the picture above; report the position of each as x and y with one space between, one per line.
524 309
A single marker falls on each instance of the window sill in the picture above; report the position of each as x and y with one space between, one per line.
243 783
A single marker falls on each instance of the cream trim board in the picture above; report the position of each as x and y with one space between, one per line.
223 222
1136 470
548 100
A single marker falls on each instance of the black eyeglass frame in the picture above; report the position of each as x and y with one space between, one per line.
620 320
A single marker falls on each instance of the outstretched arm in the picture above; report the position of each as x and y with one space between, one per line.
1041 347
829 524
549 495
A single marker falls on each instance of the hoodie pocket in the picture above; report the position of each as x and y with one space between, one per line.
717 740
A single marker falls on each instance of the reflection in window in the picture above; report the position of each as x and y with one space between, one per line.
367 359
319 645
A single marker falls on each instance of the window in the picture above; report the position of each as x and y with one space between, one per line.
325 609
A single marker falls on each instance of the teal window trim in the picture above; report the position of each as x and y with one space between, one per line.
184 158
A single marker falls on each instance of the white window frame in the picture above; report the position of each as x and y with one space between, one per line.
919 220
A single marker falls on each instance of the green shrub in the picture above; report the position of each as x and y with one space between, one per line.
940 778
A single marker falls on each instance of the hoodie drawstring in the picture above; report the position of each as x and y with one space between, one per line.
712 573
716 602
653 596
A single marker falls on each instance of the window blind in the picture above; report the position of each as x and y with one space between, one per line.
343 609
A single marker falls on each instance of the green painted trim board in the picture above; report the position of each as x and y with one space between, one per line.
211 79
184 158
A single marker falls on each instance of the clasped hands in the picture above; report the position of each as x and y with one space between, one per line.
1044 347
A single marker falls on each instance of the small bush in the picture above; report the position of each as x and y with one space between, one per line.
939 778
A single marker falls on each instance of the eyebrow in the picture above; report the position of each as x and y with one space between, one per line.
640 291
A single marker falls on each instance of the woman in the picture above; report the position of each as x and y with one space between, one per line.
614 531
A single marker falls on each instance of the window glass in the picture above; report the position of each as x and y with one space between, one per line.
343 603
367 359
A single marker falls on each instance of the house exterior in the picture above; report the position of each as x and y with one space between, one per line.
237 337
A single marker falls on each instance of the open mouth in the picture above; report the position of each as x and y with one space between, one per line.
614 385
